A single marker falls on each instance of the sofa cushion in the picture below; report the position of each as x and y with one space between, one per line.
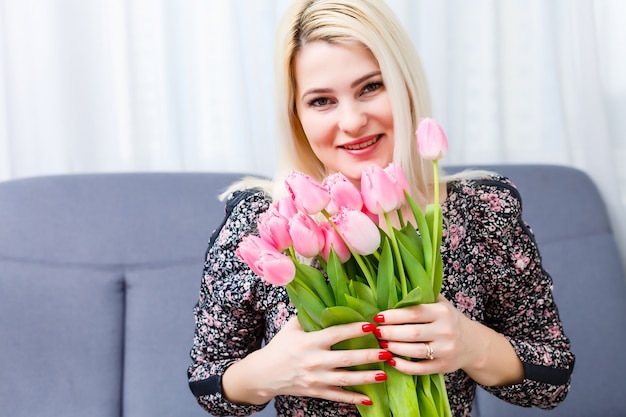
61 340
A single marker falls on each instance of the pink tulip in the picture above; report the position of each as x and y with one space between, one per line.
308 195
359 232
396 173
250 249
306 234
372 216
343 194
380 193
276 268
286 207
431 140
274 228
334 240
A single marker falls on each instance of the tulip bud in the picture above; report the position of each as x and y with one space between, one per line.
431 140
276 268
357 229
306 234
343 194
308 195
274 228
286 207
249 250
332 239
380 193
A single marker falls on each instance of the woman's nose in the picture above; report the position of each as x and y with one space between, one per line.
352 119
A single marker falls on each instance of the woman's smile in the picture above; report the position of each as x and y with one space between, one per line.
362 144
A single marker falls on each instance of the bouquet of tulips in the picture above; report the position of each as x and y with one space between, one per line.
368 268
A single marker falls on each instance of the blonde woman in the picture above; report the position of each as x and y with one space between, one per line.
351 91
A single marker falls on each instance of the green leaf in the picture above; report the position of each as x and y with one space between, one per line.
403 400
333 316
424 230
418 276
402 283
362 291
413 298
424 394
378 394
364 307
386 293
351 267
411 240
314 279
440 395
305 320
433 211
293 294
337 278
438 276
310 302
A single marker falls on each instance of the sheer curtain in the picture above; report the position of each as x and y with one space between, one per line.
186 85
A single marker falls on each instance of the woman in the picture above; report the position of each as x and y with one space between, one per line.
350 93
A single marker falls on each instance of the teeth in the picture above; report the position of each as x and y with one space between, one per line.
362 145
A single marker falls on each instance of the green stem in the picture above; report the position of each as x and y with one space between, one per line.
400 218
435 229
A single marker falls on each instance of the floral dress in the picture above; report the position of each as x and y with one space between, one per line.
492 273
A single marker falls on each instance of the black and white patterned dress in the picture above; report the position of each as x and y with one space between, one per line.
492 273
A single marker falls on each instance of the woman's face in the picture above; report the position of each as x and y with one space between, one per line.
344 107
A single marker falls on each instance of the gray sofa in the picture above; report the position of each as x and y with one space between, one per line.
99 275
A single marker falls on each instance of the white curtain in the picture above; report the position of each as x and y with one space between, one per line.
186 85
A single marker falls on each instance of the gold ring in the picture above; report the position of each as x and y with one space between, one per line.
430 353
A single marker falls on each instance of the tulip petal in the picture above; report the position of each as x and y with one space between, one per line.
308 195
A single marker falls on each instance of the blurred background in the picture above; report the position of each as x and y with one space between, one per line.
187 85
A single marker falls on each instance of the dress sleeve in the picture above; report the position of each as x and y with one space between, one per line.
229 317
521 304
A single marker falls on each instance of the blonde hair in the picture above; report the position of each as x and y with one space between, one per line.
373 24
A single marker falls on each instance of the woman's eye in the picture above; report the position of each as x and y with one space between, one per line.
319 102
372 87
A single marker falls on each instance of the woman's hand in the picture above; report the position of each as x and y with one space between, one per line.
301 363
438 338
413 333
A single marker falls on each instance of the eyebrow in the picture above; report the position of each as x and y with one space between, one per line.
352 85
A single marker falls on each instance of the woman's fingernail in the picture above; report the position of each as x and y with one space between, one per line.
391 362
380 377
377 333
384 355
383 344
379 318
367 402
369 327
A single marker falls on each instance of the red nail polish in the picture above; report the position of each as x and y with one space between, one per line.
384 355
367 402
380 377
369 327
377 333
383 344
379 318
391 362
